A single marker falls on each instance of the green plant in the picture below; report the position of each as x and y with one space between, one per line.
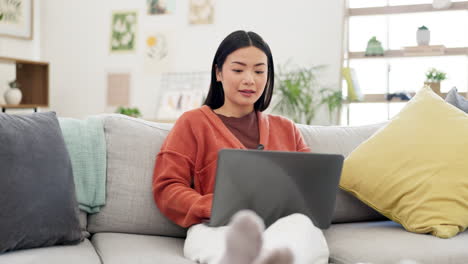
332 99
133 112
296 94
434 75
423 28
14 84
300 94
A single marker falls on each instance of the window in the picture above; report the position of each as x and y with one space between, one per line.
394 23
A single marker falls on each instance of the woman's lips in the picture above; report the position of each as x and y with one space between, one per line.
247 93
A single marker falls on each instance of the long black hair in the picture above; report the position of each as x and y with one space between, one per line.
234 41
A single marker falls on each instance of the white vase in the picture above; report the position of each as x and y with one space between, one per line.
13 96
423 36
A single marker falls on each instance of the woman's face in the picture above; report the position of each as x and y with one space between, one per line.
244 77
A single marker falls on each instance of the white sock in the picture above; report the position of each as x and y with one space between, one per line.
277 256
243 238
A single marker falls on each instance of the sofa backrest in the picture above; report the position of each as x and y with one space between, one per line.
132 146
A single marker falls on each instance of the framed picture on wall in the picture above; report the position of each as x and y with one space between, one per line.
123 31
16 18
201 12
160 7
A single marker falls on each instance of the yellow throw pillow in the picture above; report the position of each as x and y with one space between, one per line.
415 169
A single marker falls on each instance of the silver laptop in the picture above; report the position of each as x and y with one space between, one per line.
275 184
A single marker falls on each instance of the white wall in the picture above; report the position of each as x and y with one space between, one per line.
75 40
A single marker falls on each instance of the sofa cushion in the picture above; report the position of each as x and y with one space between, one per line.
116 248
342 140
414 169
386 242
132 146
83 253
83 217
457 100
37 193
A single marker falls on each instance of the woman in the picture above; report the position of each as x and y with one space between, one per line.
242 81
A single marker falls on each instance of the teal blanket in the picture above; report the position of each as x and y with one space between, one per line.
86 145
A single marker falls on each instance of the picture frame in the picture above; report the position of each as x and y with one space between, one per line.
183 91
201 12
160 7
16 18
123 36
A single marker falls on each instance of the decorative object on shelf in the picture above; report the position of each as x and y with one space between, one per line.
423 36
33 77
441 4
123 36
16 19
183 91
403 96
13 95
354 90
374 47
175 102
133 112
433 79
457 100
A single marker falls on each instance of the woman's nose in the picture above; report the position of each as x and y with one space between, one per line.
248 79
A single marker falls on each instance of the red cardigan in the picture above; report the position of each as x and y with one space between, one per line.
184 174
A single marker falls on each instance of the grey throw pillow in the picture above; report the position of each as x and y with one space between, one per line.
38 206
457 100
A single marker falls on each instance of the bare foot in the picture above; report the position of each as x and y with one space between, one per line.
243 238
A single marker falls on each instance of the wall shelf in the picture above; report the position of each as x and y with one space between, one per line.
20 106
404 9
33 78
381 98
460 51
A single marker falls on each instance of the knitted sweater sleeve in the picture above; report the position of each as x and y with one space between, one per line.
173 180
301 146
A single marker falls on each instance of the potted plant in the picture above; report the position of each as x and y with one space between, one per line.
433 79
333 100
133 112
295 92
13 95
299 94
423 36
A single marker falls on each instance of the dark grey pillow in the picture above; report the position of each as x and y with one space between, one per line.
457 100
38 205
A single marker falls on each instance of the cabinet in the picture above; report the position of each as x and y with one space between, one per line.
33 78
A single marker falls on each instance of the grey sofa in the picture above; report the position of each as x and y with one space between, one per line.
130 228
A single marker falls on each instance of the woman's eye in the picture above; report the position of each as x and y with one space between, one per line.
259 72
237 70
